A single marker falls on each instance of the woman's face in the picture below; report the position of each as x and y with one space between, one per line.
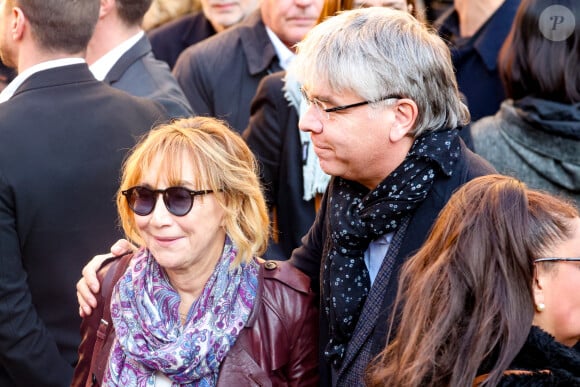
558 290
182 243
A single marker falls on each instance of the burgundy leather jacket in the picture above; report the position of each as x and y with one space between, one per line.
278 347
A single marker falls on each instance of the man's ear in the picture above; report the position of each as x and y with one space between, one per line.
406 113
18 23
106 7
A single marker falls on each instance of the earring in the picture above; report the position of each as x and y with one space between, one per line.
540 307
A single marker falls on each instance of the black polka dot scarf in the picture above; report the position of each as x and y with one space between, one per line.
359 216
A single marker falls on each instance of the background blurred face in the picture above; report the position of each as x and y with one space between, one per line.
7 49
225 13
561 318
182 243
400 5
290 20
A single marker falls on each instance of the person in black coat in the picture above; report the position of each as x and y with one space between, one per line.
119 54
274 138
491 298
63 137
220 75
170 39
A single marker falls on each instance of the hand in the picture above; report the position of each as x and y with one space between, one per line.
89 284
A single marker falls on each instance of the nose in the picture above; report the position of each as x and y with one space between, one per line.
310 120
160 215
303 3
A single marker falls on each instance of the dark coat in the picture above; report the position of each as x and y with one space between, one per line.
220 75
273 136
171 39
63 137
371 330
475 58
547 362
138 73
276 348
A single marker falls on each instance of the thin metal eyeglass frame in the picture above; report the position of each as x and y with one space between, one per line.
554 259
317 103
162 192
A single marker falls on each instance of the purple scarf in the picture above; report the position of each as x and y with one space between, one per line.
150 337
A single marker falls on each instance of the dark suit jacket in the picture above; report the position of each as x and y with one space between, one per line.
170 39
311 256
63 136
220 75
138 73
273 136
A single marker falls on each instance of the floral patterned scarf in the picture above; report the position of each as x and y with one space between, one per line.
150 337
360 216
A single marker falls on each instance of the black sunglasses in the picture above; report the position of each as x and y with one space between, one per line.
178 200
556 259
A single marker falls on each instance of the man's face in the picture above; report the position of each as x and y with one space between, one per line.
225 13
352 143
290 20
7 49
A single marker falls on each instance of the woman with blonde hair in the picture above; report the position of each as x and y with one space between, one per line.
194 306
492 296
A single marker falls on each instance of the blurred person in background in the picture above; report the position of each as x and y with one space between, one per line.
171 39
535 135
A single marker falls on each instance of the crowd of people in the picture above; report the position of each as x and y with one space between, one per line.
303 193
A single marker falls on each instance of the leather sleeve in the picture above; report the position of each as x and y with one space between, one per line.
97 332
287 292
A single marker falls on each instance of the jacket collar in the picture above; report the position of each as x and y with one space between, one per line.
258 49
490 37
135 53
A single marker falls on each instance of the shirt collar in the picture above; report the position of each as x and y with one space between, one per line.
11 88
104 64
284 54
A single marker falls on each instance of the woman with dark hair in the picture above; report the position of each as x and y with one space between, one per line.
492 296
535 136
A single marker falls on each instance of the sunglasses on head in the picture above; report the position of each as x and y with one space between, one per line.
177 200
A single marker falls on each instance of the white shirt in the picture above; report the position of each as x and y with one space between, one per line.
104 64
284 54
9 90
375 254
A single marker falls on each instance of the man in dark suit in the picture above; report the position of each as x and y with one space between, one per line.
119 54
220 75
170 39
273 136
63 136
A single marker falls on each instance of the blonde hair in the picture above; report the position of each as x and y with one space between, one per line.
221 162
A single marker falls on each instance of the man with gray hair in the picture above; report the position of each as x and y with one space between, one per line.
383 115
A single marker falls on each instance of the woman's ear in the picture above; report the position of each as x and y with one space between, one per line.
538 289
406 113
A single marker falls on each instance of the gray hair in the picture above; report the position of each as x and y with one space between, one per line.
375 52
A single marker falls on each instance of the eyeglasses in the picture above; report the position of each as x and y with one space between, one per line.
178 200
324 112
552 259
